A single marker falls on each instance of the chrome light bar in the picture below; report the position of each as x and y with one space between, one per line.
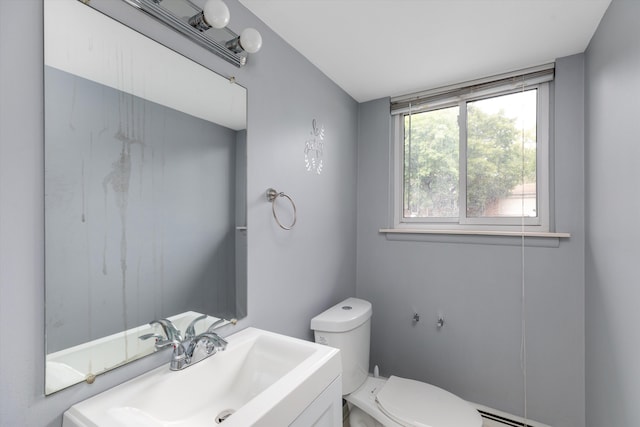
182 25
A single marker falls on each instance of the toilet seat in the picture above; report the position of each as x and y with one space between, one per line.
414 403
403 402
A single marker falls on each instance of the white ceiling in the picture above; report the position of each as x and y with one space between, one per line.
378 48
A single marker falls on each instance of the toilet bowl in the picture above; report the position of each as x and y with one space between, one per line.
376 401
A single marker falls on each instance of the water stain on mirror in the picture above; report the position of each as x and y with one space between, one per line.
145 165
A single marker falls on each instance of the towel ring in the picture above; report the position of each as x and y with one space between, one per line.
272 195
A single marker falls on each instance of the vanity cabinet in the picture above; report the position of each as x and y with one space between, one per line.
325 410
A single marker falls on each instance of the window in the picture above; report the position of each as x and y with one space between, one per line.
475 157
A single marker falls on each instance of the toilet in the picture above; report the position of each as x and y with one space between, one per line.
377 401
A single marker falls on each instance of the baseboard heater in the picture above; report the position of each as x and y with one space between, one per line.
494 418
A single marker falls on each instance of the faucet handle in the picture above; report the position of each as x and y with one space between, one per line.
169 329
222 343
214 325
178 349
191 329
177 346
213 342
218 342
157 337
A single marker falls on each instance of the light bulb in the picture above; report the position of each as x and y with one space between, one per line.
250 40
216 13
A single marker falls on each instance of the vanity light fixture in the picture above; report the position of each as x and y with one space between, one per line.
214 14
250 41
207 26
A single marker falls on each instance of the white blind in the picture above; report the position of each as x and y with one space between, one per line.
435 97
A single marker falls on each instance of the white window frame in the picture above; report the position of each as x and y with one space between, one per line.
540 223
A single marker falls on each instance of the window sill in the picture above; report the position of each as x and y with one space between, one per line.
486 237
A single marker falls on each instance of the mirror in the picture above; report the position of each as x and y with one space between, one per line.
145 166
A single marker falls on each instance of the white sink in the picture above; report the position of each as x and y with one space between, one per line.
262 379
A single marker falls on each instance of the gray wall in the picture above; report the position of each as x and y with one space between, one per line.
613 208
477 286
292 275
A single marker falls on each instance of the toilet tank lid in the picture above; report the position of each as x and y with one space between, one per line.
342 317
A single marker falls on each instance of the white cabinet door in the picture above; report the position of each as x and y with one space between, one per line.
325 410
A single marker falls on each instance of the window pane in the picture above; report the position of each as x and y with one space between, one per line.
431 147
501 156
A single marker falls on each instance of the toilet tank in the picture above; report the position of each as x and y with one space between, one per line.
347 327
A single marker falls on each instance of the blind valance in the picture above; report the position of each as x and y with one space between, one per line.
445 95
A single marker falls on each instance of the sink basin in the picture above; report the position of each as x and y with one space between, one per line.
262 378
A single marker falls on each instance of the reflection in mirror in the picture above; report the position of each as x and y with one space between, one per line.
145 164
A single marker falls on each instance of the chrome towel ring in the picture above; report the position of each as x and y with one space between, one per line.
272 195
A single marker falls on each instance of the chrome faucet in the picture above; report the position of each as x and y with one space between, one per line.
192 348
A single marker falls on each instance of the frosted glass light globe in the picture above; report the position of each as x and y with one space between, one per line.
216 13
250 40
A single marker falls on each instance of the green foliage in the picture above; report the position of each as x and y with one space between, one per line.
496 161
431 164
